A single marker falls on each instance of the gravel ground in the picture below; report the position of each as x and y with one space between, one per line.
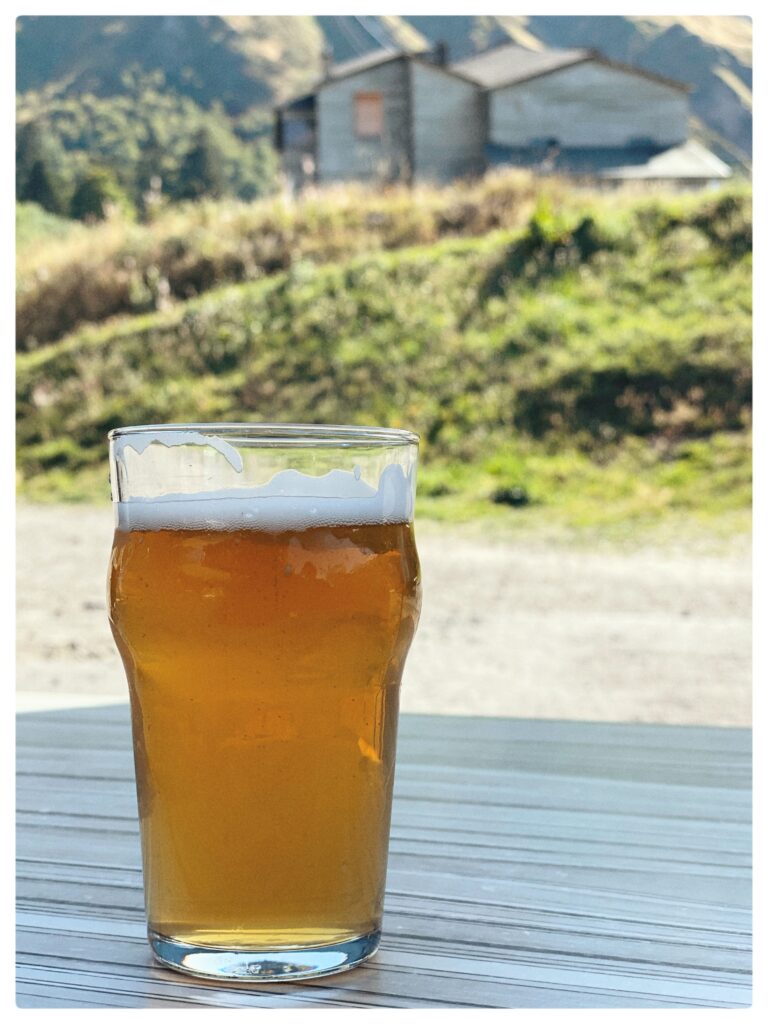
508 628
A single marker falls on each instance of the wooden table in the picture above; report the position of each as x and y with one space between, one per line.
533 864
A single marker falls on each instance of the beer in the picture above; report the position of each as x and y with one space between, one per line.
264 666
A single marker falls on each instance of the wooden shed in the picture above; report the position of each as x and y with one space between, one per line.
383 117
576 98
395 116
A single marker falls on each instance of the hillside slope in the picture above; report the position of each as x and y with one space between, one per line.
593 366
712 54
255 61
121 267
239 62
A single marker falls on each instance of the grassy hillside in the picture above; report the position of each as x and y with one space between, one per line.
590 368
121 267
36 227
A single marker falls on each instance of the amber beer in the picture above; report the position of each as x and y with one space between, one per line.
264 669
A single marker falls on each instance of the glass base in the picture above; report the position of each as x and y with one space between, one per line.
269 965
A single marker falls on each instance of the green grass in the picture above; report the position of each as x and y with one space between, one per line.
592 366
120 267
35 227
633 491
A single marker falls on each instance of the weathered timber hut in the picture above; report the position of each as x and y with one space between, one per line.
391 116
383 117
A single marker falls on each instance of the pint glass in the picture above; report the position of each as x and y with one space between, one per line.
263 593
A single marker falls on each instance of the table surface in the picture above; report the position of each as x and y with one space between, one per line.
532 864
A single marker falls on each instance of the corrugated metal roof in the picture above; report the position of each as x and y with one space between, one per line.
509 63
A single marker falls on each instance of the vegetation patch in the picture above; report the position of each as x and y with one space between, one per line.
589 366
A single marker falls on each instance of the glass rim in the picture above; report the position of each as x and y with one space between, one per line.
292 434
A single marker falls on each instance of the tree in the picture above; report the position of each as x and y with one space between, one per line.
95 194
36 181
149 181
41 188
30 148
202 170
150 164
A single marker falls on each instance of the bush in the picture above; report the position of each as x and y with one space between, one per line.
97 196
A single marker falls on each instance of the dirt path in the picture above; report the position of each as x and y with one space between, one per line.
507 628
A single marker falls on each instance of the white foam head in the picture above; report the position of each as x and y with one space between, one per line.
290 501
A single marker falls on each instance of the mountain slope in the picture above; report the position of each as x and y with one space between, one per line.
247 61
712 54
239 61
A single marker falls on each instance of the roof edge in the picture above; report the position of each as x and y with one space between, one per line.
421 57
388 57
418 57
598 58
673 83
447 69
286 104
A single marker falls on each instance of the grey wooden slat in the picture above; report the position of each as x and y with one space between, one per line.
30 996
677 877
422 870
661 946
485 729
473 822
408 976
69 845
429 749
111 955
476 845
676 949
567 931
483 788
727 845
483 971
516 789
560 864
420 735
126 985
651 886
573 856
667 745
58 796
470 924
535 907
480 926
587 904
537 904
